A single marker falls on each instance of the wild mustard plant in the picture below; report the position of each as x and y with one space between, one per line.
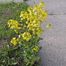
33 18
13 24
30 22
23 48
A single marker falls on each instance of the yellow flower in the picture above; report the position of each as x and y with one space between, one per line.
14 41
33 24
41 4
40 13
24 15
38 31
13 24
30 10
26 36
36 49
43 15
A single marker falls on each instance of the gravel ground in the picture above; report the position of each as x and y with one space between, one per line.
53 51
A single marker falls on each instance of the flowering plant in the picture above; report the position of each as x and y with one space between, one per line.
23 48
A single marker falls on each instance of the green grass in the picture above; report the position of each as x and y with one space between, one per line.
9 11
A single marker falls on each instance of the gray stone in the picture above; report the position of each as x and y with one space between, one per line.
53 51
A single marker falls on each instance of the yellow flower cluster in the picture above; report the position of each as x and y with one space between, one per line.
26 36
36 49
13 24
34 13
34 16
14 41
